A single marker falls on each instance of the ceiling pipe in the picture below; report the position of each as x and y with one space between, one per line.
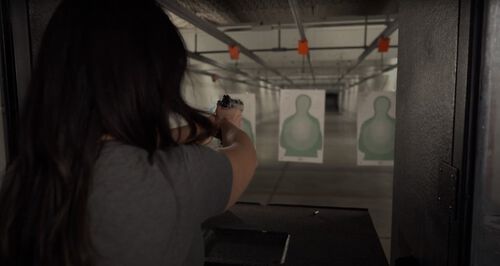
331 77
210 29
207 73
214 63
363 80
391 28
326 86
294 7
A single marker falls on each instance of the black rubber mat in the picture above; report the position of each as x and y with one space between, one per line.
318 235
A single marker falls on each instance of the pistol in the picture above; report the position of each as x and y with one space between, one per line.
228 102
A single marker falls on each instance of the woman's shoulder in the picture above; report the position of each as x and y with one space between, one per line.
130 200
119 157
123 154
122 165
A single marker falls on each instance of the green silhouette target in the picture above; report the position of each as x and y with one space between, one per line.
376 129
249 113
248 128
301 127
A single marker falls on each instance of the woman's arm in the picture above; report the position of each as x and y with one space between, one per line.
240 150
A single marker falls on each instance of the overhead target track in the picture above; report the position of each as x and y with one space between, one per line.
187 15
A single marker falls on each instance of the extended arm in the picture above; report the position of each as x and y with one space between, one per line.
240 150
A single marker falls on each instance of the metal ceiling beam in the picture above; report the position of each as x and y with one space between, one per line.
206 73
363 80
391 28
283 49
206 60
294 7
327 86
207 27
314 25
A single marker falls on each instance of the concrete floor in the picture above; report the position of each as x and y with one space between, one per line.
338 182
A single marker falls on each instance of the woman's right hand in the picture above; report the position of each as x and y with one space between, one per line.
232 115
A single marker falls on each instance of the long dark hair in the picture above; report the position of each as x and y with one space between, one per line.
104 68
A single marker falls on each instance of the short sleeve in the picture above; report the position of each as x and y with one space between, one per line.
210 175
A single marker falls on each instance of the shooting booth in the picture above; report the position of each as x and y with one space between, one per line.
431 200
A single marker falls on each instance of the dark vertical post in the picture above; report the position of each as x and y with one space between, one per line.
465 125
15 65
21 41
435 103
485 244
5 81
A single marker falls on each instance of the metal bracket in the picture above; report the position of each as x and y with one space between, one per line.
447 188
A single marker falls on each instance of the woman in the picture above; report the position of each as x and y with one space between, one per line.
100 178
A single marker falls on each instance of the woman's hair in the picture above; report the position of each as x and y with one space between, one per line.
105 68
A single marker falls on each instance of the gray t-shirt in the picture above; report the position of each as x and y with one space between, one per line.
144 213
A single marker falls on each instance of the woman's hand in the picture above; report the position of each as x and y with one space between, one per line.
232 115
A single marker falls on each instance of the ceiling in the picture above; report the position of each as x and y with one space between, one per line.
264 12
266 26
